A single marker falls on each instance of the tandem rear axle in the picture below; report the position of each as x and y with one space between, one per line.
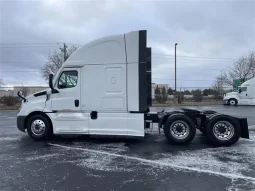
180 126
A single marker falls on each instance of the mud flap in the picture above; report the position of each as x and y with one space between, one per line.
244 128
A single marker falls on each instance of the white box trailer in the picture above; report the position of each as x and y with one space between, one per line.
104 88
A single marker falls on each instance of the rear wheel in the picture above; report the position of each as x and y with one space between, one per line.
38 127
179 129
232 102
223 130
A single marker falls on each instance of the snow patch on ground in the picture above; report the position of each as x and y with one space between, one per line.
220 160
9 138
232 162
102 162
44 157
110 147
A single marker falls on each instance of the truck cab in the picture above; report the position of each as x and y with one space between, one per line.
244 96
103 88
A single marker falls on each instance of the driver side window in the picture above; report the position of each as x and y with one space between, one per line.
68 79
244 89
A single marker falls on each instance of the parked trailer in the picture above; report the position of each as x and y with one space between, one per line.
104 88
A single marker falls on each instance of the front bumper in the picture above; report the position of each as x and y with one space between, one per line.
225 102
21 123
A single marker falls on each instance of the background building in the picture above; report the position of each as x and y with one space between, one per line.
12 91
28 89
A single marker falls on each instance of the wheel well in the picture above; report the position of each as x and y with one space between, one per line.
38 113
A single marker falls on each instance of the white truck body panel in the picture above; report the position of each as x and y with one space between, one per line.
132 87
70 122
107 50
105 91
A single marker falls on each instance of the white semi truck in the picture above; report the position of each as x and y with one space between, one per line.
104 88
244 96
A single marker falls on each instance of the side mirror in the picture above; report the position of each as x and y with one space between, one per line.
51 84
50 81
21 95
239 90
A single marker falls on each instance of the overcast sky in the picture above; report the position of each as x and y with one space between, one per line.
203 30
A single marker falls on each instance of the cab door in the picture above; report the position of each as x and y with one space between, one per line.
69 88
243 95
66 104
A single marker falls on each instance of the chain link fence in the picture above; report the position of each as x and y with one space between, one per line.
9 97
184 95
189 95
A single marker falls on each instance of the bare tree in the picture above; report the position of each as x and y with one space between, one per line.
161 94
217 87
243 68
55 60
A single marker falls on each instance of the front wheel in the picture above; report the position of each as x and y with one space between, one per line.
38 127
232 102
179 129
223 130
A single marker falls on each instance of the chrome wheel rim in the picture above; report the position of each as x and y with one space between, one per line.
232 102
223 130
179 129
38 127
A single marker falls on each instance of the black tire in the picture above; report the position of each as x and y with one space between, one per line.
39 119
214 139
187 121
232 102
202 131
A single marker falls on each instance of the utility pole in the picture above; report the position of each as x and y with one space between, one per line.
64 50
175 65
221 84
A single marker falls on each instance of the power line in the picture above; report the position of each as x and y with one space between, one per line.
28 46
28 62
27 43
18 71
197 57
152 78
22 62
32 44
219 61
181 79
188 68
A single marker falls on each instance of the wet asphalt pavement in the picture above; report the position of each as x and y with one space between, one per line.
149 163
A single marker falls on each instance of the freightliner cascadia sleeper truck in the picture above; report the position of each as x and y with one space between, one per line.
104 88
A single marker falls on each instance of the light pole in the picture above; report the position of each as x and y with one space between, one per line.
175 64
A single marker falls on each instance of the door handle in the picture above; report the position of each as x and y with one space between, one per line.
76 103
246 94
93 115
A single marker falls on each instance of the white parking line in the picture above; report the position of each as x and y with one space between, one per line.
158 163
8 117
